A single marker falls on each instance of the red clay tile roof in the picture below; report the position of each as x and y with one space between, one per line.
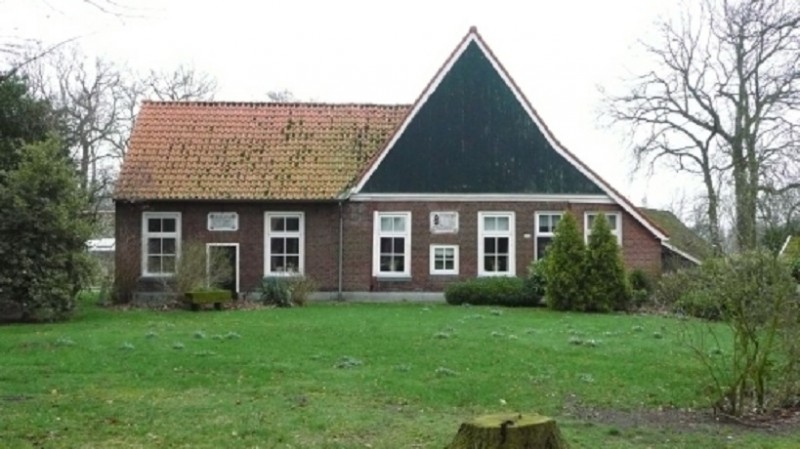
252 151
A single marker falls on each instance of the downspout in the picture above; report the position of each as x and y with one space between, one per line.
341 252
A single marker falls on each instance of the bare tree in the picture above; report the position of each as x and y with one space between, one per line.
184 83
19 51
722 103
281 96
99 101
86 93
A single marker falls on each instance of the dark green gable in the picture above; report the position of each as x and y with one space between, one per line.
472 135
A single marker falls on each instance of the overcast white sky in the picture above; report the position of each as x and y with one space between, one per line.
558 52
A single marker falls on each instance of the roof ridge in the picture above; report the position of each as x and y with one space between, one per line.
227 103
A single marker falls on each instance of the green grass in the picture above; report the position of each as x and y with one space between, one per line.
344 376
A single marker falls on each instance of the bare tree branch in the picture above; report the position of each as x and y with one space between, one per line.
723 97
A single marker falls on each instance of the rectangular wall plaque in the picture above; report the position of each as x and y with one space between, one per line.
223 221
444 222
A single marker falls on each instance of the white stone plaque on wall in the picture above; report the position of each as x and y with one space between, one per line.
444 222
223 221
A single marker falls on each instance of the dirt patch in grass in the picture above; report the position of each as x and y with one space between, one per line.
784 421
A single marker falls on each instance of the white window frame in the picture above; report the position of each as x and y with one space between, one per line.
147 235
433 270
538 234
512 247
587 229
376 244
300 234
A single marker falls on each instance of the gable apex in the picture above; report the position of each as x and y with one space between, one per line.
568 164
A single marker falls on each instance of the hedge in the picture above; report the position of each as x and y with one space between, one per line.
497 291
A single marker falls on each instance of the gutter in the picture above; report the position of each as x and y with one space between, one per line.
683 254
339 273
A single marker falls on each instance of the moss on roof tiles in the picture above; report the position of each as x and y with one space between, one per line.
256 151
680 236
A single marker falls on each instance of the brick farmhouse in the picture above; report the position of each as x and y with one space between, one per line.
363 198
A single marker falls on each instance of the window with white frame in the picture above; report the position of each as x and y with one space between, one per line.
496 253
546 223
161 243
391 244
284 240
444 259
614 222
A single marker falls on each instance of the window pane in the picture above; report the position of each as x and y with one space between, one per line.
168 246
293 264
292 224
502 263
590 219
399 263
277 245
399 224
168 264
489 246
154 264
277 263
277 224
438 265
449 264
502 245
544 223
612 222
554 219
399 245
293 245
386 224
438 252
449 252
489 223
386 245
502 223
488 263
168 225
153 225
153 247
386 263
541 246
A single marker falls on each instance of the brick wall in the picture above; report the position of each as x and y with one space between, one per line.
321 238
640 248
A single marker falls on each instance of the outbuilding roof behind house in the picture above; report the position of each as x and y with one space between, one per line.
251 151
680 236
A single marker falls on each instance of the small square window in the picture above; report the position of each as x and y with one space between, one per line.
444 259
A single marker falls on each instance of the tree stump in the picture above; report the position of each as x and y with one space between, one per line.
509 431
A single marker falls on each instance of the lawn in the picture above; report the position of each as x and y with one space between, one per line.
352 376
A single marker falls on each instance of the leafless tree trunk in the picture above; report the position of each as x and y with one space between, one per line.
722 99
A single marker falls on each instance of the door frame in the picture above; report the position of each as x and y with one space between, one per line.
220 244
